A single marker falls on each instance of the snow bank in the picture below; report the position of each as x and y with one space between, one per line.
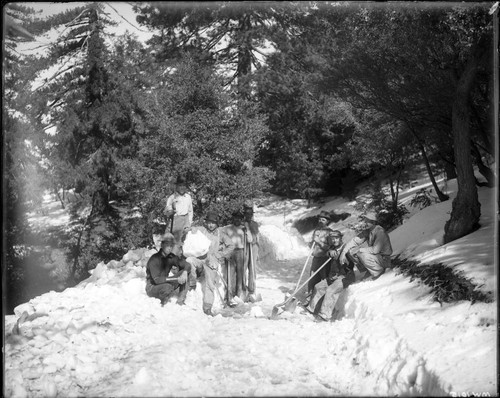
421 238
413 346
277 244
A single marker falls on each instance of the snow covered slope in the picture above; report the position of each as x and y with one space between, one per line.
105 337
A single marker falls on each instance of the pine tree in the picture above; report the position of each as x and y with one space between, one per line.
234 35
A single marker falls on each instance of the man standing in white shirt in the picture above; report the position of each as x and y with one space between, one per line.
179 210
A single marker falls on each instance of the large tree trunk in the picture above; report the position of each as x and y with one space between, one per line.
466 207
244 66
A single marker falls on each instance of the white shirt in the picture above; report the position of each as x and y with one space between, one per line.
181 205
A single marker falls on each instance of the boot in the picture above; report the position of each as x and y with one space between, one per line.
208 311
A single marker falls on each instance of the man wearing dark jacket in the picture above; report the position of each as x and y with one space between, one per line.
322 244
159 283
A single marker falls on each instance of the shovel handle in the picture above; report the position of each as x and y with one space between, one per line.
305 283
305 265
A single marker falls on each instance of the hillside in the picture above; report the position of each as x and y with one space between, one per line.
105 337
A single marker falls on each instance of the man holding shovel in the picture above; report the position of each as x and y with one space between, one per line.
336 270
159 283
322 243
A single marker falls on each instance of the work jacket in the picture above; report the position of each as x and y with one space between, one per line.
323 243
378 242
221 246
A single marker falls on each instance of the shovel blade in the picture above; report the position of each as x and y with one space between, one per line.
274 313
291 305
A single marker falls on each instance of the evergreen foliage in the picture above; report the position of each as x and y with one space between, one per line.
422 199
299 99
390 214
192 128
447 285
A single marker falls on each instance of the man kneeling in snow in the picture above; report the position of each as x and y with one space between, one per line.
158 282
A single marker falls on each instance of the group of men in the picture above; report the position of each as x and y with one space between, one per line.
231 258
233 254
336 265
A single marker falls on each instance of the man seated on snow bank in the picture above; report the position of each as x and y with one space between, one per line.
375 256
158 282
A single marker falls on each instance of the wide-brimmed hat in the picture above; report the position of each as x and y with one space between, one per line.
324 214
369 216
212 216
361 226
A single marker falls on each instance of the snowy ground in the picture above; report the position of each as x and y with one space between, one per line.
105 337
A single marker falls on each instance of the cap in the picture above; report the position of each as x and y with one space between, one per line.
168 238
212 217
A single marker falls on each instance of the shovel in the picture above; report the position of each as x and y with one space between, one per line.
292 307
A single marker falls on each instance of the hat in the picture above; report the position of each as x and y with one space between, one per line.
324 214
168 238
369 216
335 232
237 214
212 217
180 181
360 227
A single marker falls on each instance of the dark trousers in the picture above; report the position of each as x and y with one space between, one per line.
321 275
233 274
165 291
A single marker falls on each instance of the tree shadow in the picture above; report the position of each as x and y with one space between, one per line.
26 278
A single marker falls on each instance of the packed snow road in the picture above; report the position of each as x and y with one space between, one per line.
107 338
